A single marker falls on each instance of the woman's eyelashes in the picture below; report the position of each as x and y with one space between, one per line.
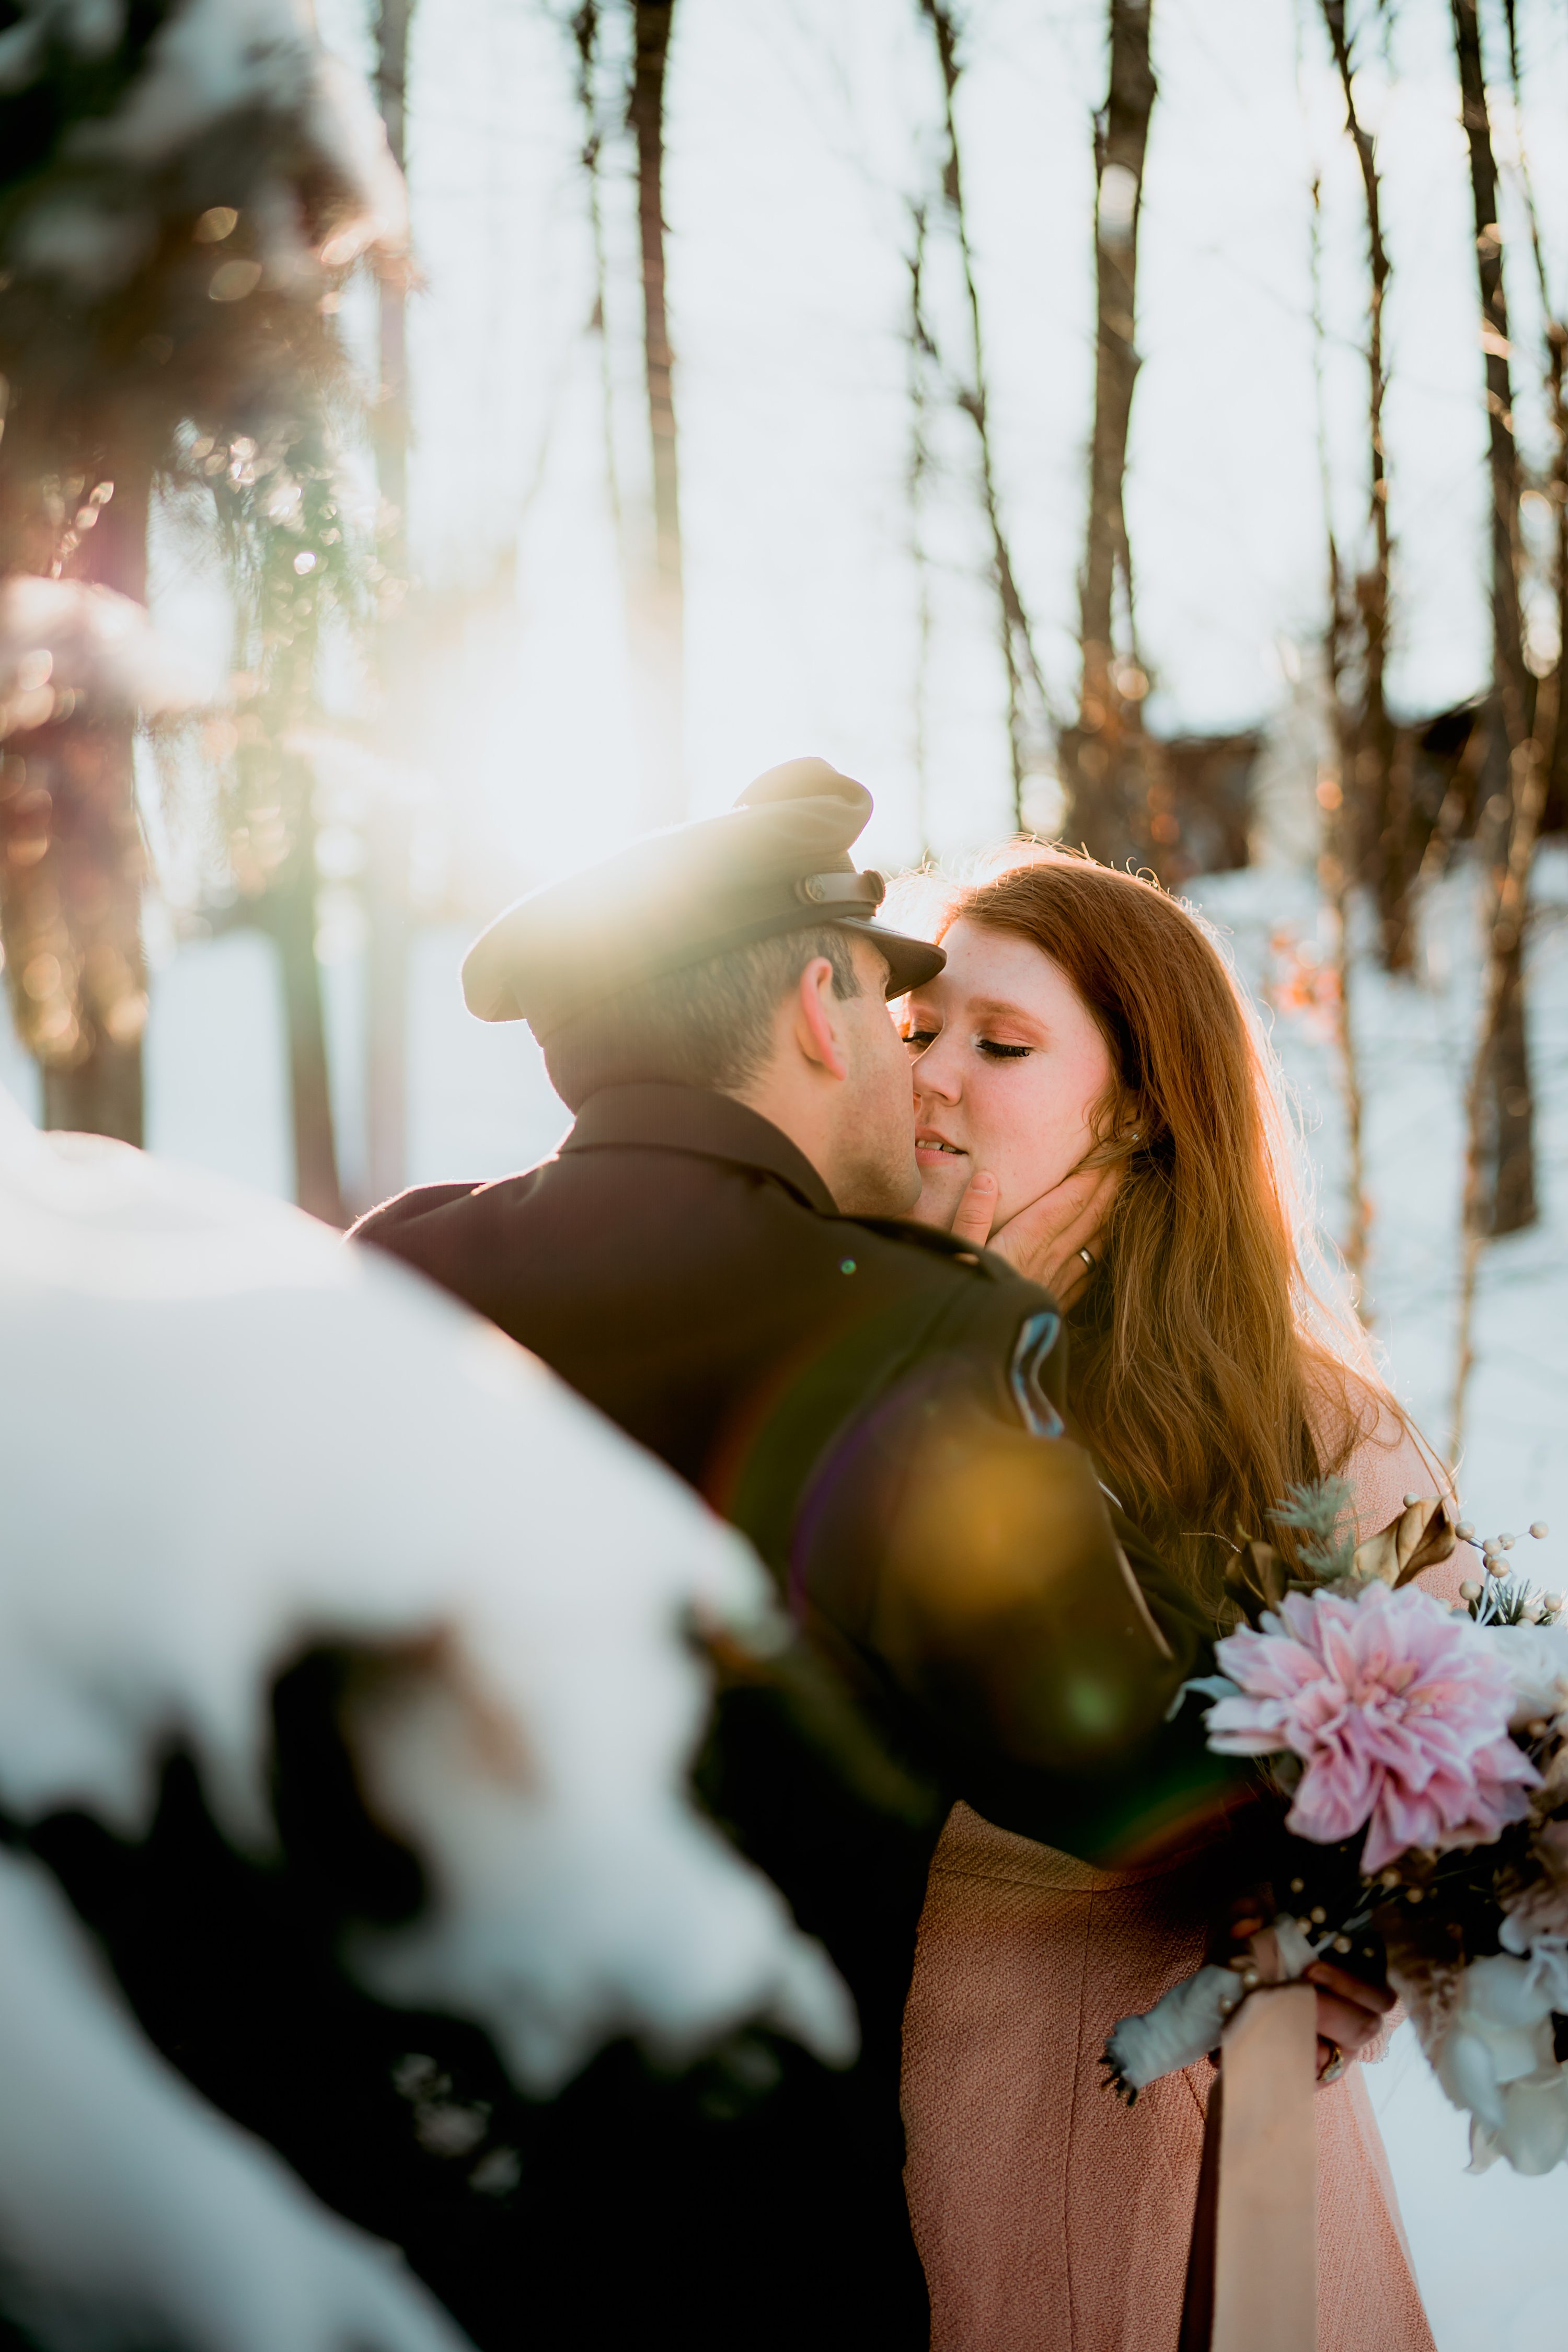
918 1039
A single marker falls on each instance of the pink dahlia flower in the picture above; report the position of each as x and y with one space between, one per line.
1398 1710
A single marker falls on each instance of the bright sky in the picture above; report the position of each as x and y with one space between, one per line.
799 131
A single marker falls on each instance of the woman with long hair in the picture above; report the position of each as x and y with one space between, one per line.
1094 1101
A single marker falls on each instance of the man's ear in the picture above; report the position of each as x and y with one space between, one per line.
816 1028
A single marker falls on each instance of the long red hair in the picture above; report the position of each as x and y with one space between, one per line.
1207 1373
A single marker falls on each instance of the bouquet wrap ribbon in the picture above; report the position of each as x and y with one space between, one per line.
1252 2278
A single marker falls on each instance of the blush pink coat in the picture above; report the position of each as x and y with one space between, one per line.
1051 2218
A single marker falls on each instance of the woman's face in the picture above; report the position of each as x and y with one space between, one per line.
1008 1066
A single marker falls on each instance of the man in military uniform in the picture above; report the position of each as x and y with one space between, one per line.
711 1258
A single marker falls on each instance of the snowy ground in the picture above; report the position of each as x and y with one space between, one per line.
1491 2252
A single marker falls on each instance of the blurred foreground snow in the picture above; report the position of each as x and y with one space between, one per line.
227 1439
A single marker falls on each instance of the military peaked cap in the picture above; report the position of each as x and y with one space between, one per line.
778 861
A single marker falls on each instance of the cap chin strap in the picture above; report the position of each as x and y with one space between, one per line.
828 890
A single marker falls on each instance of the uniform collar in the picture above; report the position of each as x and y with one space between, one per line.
690 1119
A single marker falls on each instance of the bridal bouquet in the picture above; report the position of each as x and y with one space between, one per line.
1423 1751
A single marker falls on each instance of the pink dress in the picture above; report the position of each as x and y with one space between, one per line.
1049 2216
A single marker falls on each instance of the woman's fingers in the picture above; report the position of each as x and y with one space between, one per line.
971 1218
1043 1239
1377 1998
1350 2011
1345 2022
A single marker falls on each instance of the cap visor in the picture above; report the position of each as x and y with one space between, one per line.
910 962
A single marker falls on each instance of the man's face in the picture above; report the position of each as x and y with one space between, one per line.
876 1173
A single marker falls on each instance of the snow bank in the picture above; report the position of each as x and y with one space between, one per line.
225 1436
130 2212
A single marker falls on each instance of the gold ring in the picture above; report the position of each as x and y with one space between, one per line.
1336 2067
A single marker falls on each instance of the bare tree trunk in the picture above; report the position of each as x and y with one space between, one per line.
585 40
291 913
1105 784
386 866
1500 1190
394 20
921 353
1502 1023
1499 1160
1554 813
1375 781
74 869
663 635
1334 862
1029 723
271 818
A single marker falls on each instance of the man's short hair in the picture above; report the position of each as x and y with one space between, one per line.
709 1024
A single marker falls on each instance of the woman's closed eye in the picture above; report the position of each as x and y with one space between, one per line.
918 1039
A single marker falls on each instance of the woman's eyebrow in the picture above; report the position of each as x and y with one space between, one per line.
996 1008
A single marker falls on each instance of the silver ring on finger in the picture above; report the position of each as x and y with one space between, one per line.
1088 1257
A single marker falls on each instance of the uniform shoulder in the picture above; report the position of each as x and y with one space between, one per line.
966 1262
423 1201
403 1208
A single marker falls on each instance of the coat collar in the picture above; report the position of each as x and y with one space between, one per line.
711 1126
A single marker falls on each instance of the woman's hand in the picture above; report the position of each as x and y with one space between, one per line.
1350 2014
1046 1238
1351 2009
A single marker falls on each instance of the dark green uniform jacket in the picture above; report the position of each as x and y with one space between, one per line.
881 1411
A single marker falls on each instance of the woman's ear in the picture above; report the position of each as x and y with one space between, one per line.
1121 1126
1133 1124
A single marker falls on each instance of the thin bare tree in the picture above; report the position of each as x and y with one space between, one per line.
1335 860
388 827
662 633
1104 755
586 41
1554 329
1376 778
1030 722
1500 1195
922 353
292 568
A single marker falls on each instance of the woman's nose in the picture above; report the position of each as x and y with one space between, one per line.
936 1073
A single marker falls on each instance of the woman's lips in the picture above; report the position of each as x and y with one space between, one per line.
937 1147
